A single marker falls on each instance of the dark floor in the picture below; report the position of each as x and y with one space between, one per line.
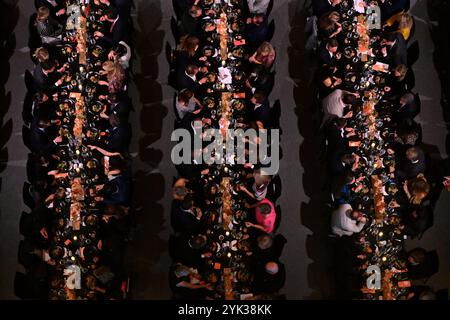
307 255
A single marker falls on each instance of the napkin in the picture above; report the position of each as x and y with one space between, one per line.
225 75
359 5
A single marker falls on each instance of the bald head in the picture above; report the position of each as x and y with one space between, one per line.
271 267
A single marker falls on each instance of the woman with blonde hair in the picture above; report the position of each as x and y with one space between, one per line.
265 55
41 54
115 76
401 22
329 26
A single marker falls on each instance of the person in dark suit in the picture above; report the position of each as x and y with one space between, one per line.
187 79
56 7
40 140
119 136
117 191
120 105
328 53
257 29
390 7
260 110
412 164
46 77
421 264
123 6
320 7
190 21
336 135
185 218
409 107
119 30
395 50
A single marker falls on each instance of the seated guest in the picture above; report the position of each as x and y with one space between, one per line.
397 85
422 264
342 162
345 221
185 218
341 188
115 77
269 248
187 79
258 6
257 29
320 7
390 8
117 31
120 105
117 191
395 50
265 216
408 108
189 250
56 7
40 140
329 26
328 80
412 164
187 50
180 190
48 28
269 278
337 136
402 23
328 53
46 77
190 22
416 189
264 56
186 102
418 218
335 103
119 135
409 132
260 110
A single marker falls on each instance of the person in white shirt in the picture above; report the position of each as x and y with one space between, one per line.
258 6
345 221
334 104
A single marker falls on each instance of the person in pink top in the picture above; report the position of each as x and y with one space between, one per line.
265 216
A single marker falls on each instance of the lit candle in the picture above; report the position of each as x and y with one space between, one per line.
72 258
75 238
77 152
229 254
381 233
227 233
384 259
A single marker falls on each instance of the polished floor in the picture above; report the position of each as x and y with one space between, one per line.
308 255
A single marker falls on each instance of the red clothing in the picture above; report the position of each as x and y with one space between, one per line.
266 220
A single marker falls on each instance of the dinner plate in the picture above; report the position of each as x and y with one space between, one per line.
96 107
349 52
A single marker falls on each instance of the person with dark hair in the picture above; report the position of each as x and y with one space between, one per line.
337 135
390 7
186 283
328 53
185 218
408 107
412 163
189 24
119 135
421 264
186 103
335 103
256 30
187 79
265 216
117 31
395 50
40 140
46 77
47 27
260 112
320 7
